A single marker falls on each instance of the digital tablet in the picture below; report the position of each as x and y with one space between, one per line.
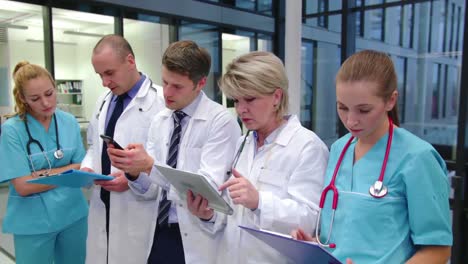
198 184
298 251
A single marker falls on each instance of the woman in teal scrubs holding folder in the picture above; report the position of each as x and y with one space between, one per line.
392 187
49 223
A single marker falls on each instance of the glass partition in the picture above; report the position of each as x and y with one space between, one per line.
264 7
21 38
149 40
75 35
21 35
208 37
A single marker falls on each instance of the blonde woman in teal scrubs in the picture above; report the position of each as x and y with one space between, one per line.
48 223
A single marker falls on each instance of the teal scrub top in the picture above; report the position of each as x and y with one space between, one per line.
414 212
48 211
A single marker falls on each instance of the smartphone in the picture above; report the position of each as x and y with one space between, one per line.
110 140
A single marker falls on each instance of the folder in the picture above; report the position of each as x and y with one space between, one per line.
71 178
198 184
296 250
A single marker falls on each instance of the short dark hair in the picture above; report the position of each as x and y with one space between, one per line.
187 58
118 43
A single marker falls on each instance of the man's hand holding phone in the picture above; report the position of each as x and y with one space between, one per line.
133 159
111 141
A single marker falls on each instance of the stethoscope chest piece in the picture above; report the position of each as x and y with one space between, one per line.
378 190
58 154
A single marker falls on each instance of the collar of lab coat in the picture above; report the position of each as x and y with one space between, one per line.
287 132
144 88
201 113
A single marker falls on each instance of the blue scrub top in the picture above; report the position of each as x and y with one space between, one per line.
48 211
414 212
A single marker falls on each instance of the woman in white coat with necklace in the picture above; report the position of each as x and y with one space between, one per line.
277 173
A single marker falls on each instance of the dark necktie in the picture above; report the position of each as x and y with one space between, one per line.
105 161
164 204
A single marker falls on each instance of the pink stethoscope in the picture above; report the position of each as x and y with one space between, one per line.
377 190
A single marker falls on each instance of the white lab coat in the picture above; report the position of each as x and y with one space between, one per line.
131 220
288 174
207 146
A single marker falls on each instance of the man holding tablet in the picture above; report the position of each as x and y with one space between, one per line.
194 134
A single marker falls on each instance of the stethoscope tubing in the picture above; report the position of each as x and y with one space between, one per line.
239 152
34 141
332 187
58 154
109 94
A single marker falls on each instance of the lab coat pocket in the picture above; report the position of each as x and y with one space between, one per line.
271 181
191 160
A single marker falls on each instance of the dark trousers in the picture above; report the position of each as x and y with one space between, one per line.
167 246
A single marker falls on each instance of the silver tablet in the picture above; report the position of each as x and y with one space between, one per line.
198 184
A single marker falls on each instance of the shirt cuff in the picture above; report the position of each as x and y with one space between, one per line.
212 220
142 183
260 203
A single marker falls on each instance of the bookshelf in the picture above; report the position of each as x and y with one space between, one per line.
70 96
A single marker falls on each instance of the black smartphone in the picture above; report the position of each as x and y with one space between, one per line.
110 140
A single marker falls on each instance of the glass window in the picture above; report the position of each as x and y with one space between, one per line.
407 26
245 4
400 68
373 21
428 83
307 85
334 5
264 42
373 2
393 18
75 35
459 37
147 38
261 6
233 46
410 96
452 91
311 8
320 62
435 84
265 7
334 23
373 24
208 37
438 26
359 19
21 38
322 8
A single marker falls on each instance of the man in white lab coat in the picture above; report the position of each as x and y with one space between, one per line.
113 231
194 134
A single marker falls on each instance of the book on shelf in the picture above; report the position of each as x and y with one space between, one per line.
69 86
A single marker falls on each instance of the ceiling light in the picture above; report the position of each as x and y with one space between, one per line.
13 26
226 36
86 34
55 42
